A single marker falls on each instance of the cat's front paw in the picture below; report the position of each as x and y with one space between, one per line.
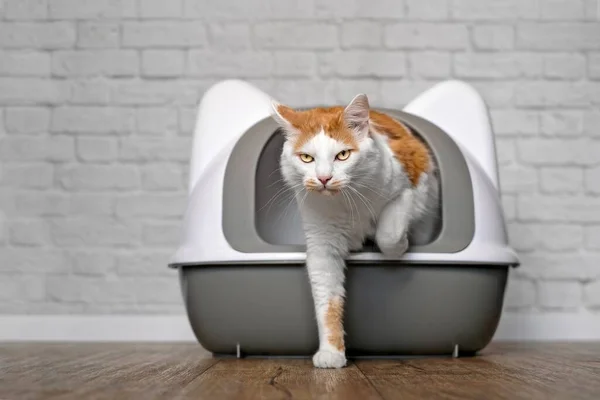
329 359
395 250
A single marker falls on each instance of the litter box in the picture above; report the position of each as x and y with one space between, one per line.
241 256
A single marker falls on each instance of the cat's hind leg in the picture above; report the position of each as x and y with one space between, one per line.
392 226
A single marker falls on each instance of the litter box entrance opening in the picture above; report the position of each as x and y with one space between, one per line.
277 216
260 214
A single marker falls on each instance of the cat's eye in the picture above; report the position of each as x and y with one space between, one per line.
343 155
306 158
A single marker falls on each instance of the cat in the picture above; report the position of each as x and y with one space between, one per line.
357 174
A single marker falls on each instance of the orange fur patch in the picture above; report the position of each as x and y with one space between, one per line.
334 322
310 122
409 151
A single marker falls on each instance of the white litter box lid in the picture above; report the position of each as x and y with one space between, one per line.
234 161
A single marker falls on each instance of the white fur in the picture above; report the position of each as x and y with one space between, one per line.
377 200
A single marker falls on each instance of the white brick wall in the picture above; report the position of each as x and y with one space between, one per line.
97 107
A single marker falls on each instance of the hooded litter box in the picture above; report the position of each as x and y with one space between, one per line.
241 260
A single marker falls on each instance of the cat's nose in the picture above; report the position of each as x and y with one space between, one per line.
324 179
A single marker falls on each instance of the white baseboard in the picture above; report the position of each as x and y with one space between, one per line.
582 326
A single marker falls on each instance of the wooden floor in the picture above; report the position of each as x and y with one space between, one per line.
151 371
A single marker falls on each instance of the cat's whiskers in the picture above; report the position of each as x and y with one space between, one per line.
365 201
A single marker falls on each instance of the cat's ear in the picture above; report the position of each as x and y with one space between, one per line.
284 116
356 115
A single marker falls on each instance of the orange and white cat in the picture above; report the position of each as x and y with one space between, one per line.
357 174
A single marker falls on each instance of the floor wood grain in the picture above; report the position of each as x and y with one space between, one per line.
185 371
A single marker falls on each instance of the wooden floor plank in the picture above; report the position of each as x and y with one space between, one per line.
185 371
279 379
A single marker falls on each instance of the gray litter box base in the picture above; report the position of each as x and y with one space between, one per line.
391 309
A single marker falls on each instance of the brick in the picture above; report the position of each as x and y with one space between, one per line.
509 206
163 63
144 262
98 177
506 152
162 177
426 36
361 34
592 180
561 180
520 293
294 35
37 35
493 10
90 92
515 122
361 64
156 121
161 9
559 295
568 209
28 233
161 234
546 265
398 94
41 204
380 9
155 149
92 263
91 149
592 237
91 204
564 66
497 94
552 94
163 34
155 205
92 9
230 36
494 37
32 176
30 91
548 237
3 228
98 35
238 64
517 179
84 63
296 64
22 288
591 123
594 65
97 232
558 36
562 10
591 294
561 123
303 92
18 63
346 89
27 120
33 260
25 9
55 148
496 65
432 65
232 9
146 93
187 121
93 120
427 10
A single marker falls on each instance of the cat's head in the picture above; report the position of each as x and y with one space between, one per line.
326 149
